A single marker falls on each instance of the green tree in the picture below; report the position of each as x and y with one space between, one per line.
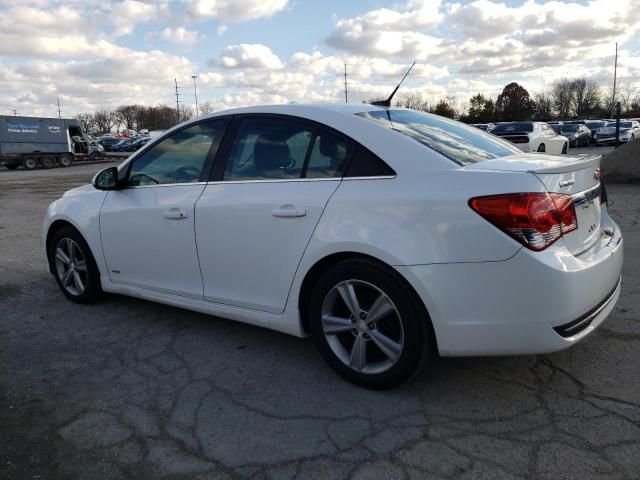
445 107
514 104
481 109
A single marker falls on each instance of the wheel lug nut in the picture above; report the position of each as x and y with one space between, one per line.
370 325
354 331
366 335
363 316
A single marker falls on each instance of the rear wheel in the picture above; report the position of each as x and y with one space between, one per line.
48 161
11 166
542 148
65 160
368 325
75 269
30 163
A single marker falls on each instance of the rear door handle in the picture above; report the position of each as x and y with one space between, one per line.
288 211
175 214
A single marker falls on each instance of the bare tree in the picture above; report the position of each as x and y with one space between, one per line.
185 114
413 101
206 108
128 115
544 105
585 97
105 120
562 93
86 122
625 95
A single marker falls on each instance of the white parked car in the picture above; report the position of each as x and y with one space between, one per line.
388 235
533 137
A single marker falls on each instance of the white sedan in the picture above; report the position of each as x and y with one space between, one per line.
388 235
533 137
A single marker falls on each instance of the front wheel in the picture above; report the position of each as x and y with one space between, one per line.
65 160
368 324
565 149
11 166
541 148
75 269
30 163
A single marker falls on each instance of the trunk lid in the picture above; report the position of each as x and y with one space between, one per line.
577 176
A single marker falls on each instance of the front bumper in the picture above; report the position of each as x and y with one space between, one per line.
517 306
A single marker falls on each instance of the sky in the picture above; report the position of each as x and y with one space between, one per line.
96 54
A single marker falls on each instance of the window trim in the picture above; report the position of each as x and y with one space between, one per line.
209 160
224 152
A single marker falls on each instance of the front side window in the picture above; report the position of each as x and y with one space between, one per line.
461 143
179 158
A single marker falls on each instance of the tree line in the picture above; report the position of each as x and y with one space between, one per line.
565 99
137 117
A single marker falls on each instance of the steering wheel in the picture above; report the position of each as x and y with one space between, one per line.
187 172
140 174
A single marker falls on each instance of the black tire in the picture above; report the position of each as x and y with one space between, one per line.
48 161
65 160
90 278
30 163
565 149
418 344
11 166
541 148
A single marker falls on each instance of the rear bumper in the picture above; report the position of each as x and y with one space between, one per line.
519 305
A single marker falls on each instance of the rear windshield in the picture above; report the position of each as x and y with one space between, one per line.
459 142
569 128
594 124
513 127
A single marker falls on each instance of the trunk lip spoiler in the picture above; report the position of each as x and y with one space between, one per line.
581 163
562 164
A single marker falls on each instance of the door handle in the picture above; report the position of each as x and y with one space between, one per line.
288 211
175 214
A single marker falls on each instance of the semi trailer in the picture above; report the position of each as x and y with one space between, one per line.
34 142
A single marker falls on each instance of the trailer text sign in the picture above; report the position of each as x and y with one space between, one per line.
23 127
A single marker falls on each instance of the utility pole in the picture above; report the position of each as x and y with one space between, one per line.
177 101
195 92
346 95
615 72
59 114
15 112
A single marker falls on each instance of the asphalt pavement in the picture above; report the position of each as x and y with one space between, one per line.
126 388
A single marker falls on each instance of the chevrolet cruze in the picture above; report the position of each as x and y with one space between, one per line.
387 235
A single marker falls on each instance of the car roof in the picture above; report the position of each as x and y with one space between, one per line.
292 108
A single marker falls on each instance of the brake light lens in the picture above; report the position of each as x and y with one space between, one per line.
536 220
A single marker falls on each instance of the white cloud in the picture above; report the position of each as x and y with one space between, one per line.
180 36
388 32
234 10
249 56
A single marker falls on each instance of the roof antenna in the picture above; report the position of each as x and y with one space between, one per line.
387 102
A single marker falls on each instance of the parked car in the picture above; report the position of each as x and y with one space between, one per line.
577 134
135 145
123 143
388 235
487 127
593 126
533 137
108 143
629 131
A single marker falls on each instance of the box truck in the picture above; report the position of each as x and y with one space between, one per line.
43 142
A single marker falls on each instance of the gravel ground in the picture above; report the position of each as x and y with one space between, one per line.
131 389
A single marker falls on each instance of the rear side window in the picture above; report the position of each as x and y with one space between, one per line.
268 148
366 164
459 142
329 156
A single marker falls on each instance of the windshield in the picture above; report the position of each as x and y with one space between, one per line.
622 124
594 124
569 128
459 142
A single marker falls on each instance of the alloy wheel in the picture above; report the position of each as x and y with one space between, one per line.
362 326
71 266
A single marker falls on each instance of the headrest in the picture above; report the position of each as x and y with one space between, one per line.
271 152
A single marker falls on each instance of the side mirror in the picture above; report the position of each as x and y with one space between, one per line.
106 179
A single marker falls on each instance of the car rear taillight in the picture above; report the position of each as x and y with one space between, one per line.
534 219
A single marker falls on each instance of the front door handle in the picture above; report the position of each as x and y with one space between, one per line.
175 214
288 211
